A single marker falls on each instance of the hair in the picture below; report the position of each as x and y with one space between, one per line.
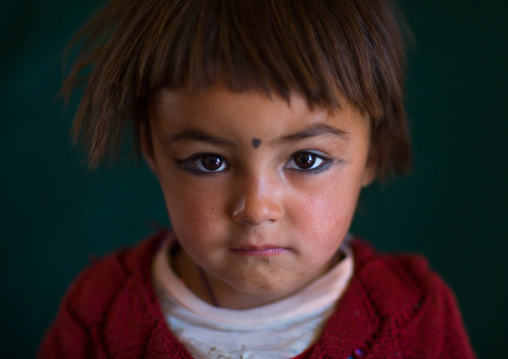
318 48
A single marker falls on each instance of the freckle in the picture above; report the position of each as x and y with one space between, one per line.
256 142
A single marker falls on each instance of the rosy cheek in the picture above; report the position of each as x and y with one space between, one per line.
191 211
315 212
327 212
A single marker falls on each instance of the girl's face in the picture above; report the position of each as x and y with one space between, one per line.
260 193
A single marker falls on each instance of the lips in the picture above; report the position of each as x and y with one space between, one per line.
263 251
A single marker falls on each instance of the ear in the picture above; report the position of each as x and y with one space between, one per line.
370 170
369 175
145 138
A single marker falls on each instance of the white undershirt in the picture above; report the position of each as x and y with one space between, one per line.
282 329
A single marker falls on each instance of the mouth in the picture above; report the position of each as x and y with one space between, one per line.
260 251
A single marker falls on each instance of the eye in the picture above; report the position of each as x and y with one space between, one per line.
308 161
210 163
203 163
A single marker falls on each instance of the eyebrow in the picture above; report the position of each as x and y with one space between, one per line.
200 136
316 130
312 131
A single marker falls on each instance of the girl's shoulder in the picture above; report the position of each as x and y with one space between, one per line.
401 286
106 278
393 275
396 305
109 302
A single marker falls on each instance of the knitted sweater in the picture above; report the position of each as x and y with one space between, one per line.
394 307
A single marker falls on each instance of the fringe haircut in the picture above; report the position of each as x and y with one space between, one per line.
318 48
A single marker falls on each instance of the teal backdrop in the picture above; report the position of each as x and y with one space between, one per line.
453 207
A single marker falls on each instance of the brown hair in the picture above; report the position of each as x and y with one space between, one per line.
319 48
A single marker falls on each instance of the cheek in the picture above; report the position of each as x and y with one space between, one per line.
327 213
193 212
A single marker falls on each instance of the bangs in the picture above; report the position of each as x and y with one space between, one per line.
320 49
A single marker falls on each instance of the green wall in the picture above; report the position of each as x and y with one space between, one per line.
453 207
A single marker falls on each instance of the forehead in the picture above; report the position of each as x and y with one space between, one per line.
240 116
221 100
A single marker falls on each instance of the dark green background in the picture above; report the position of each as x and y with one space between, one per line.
453 207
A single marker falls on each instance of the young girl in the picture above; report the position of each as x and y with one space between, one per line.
262 120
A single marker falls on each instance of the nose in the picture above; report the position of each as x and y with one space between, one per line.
256 202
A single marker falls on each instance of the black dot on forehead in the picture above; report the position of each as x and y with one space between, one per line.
256 142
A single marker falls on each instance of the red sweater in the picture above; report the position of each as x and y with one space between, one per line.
394 307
